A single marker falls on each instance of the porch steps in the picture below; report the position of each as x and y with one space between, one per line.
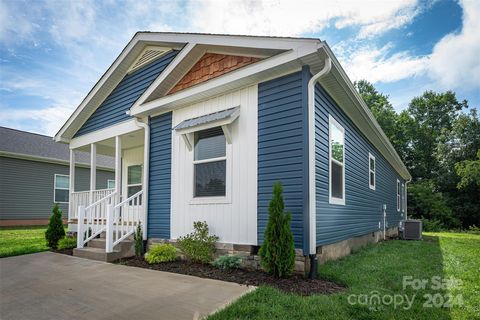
96 250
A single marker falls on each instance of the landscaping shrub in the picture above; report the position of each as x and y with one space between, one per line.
277 253
67 243
158 253
55 230
227 262
198 246
138 237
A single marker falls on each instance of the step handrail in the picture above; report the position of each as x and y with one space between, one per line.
123 218
101 200
85 213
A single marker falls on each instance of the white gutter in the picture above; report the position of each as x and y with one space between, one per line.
146 170
311 154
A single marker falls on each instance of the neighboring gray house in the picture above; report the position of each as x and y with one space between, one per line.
34 174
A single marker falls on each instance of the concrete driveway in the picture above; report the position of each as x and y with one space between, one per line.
54 286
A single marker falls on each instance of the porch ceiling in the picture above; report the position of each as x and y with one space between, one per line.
107 147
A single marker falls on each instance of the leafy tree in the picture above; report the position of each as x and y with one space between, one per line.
380 106
469 172
55 230
277 253
433 114
427 203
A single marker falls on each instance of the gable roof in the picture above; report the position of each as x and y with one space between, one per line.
21 144
279 56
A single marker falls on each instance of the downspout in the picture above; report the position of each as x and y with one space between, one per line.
146 176
311 166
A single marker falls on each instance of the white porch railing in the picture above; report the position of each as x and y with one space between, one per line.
123 219
91 220
82 198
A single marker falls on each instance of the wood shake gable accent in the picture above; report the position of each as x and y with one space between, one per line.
212 65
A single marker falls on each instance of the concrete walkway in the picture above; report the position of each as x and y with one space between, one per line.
54 286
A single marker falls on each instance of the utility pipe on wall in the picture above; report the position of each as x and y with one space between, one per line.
311 165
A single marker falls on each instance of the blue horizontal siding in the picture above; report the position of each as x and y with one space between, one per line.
133 85
363 208
281 149
159 192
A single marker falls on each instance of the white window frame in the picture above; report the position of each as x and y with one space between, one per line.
398 196
403 197
108 183
334 200
370 171
228 173
55 187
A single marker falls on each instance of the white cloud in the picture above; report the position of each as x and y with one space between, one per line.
292 18
376 65
455 60
45 120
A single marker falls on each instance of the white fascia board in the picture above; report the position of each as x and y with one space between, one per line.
21 156
104 134
369 119
164 74
279 43
282 58
59 135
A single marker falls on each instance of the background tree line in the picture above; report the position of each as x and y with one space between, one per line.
438 138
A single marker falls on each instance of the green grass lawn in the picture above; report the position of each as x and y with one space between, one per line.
378 271
21 240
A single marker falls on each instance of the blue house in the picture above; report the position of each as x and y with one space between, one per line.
201 127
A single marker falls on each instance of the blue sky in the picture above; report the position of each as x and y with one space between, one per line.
53 52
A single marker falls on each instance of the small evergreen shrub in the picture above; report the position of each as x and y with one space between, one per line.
158 253
138 237
277 253
67 243
55 230
227 262
198 246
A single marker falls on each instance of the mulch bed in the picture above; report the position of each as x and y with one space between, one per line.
63 251
294 284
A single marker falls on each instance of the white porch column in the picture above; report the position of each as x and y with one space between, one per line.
118 168
93 170
71 184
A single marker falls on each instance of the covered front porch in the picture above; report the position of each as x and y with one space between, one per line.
114 212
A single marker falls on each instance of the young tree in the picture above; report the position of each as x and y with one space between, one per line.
277 253
55 230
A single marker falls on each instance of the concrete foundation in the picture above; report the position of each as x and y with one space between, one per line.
333 251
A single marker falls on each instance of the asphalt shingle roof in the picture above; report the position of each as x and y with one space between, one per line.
37 145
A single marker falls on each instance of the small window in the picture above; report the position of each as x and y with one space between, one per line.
403 195
337 162
398 195
210 163
371 171
62 188
110 184
134 180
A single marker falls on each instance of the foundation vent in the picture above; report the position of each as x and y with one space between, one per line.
148 54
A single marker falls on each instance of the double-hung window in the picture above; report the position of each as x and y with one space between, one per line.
371 171
62 188
210 163
398 196
336 139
